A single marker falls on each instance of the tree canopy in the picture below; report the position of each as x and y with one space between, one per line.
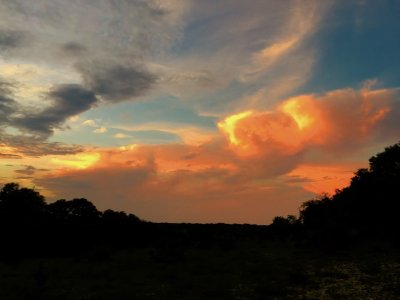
367 208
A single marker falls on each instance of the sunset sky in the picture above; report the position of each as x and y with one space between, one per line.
196 110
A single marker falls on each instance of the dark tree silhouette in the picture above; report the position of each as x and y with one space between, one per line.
285 228
29 226
22 202
22 212
367 208
118 218
77 210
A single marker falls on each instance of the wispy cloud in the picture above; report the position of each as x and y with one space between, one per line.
121 136
100 130
29 170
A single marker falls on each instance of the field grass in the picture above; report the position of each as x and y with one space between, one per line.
245 271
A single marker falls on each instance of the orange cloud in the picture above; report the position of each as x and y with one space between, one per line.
77 161
7 152
321 179
263 163
286 130
206 195
229 127
330 120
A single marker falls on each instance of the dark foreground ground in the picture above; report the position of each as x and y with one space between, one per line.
248 269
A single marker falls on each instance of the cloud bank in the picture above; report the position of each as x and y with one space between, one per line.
272 159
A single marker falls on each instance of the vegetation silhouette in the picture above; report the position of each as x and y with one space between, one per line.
367 209
29 227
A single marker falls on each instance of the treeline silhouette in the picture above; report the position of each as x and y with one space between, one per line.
368 209
30 227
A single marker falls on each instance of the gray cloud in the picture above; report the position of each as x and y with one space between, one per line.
36 146
7 105
29 170
73 48
10 39
116 82
121 29
101 41
68 100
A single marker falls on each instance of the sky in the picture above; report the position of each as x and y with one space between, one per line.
196 110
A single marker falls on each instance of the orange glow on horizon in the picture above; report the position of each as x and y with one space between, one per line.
320 179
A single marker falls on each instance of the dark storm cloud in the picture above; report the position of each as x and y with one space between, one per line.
68 100
116 82
10 39
7 105
35 146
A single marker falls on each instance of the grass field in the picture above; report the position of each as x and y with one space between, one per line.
247 270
